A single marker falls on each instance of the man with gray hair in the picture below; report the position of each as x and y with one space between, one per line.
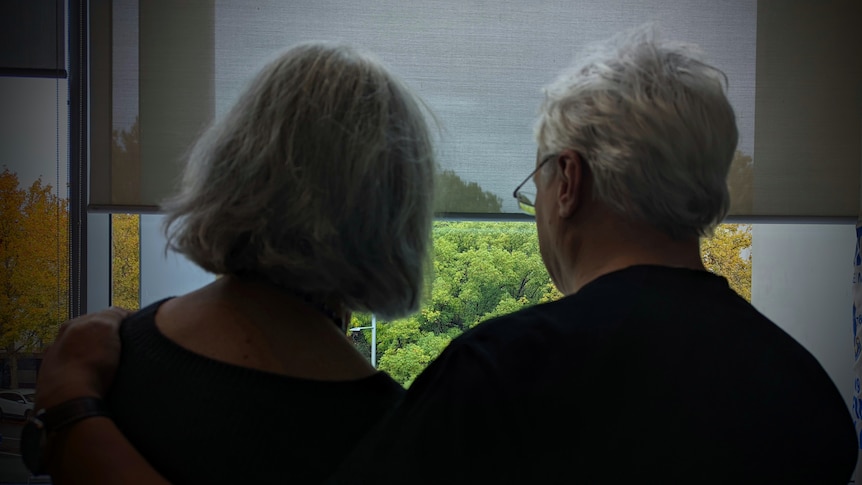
650 369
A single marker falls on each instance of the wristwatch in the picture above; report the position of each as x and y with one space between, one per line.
34 435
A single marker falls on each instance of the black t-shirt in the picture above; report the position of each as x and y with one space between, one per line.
646 375
198 420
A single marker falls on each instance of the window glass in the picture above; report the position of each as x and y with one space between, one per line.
34 239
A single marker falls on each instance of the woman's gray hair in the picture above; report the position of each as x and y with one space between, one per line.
654 125
319 180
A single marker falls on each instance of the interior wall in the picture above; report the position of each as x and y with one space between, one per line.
801 279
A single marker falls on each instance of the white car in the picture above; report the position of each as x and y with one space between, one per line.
17 403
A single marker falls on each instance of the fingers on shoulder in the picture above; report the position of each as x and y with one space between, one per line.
108 319
118 311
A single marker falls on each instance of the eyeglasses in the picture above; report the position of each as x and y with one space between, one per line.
527 198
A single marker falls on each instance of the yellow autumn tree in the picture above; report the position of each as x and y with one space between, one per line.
728 253
126 261
34 254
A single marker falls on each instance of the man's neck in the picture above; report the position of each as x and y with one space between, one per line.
615 245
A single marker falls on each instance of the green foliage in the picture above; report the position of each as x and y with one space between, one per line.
397 334
405 363
478 265
482 269
507 305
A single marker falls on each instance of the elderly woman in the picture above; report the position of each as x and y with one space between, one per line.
312 198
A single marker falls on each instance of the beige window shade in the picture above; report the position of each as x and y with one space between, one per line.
807 135
152 95
793 67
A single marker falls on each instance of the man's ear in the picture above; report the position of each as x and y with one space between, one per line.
572 171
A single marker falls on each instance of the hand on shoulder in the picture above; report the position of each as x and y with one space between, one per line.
82 360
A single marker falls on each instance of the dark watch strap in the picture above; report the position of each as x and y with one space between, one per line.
71 411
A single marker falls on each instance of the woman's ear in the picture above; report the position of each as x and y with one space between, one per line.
572 171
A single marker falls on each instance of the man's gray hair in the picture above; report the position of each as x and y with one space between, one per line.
654 125
319 180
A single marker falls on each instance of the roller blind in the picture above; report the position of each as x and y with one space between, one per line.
793 67
32 38
808 104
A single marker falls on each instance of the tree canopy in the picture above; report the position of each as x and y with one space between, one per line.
34 254
481 270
